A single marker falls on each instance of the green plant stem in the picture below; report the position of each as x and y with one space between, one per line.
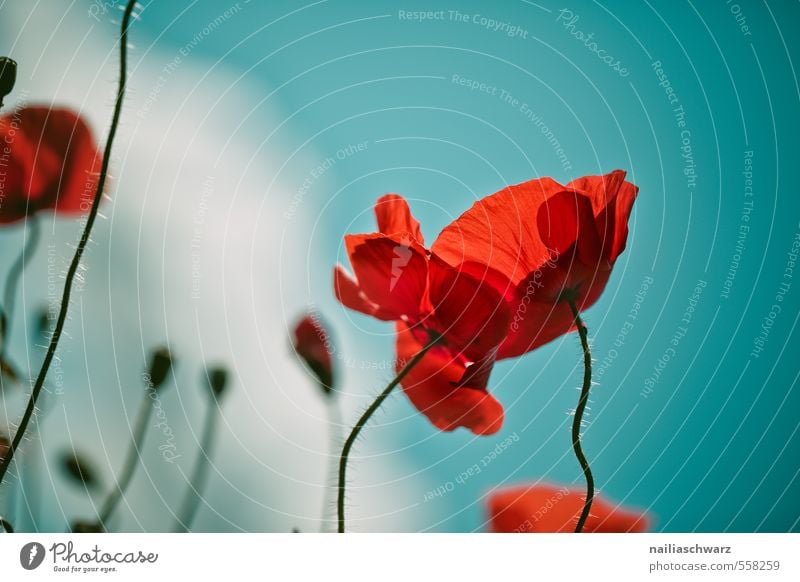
131 461
199 477
12 280
576 423
351 439
84 240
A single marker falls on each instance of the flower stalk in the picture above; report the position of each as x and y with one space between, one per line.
82 243
576 423
351 439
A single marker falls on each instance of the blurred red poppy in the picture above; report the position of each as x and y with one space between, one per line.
48 161
550 508
312 344
492 285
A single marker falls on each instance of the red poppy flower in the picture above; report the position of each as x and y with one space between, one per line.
539 242
312 344
48 160
492 284
553 509
398 279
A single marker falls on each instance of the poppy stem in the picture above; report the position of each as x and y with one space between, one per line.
199 477
32 236
84 240
131 461
348 445
576 423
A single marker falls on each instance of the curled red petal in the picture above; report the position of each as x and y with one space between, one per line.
390 274
395 218
612 200
431 386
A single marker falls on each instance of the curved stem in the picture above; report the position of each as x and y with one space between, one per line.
199 477
576 423
348 445
84 240
32 237
131 461
335 430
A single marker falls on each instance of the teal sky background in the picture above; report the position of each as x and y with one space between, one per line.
711 444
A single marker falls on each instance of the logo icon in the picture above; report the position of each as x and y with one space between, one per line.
31 555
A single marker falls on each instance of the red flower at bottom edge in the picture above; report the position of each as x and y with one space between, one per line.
49 160
550 508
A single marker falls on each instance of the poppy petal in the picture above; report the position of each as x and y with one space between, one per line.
395 218
612 200
550 508
499 231
431 388
391 275
472 314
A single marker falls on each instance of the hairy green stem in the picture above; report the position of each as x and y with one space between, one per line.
84 240
576 423
351 439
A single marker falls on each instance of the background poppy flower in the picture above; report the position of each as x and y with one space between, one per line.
539 242
312 344
550 508
398 279
48 160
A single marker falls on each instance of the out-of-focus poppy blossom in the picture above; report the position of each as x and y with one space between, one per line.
48 161
553 509
398 279
540 242
312 343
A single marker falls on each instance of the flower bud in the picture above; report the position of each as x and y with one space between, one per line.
217 380
8 77
312 344
79 470
159 367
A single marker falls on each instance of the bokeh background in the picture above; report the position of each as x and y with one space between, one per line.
256 134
